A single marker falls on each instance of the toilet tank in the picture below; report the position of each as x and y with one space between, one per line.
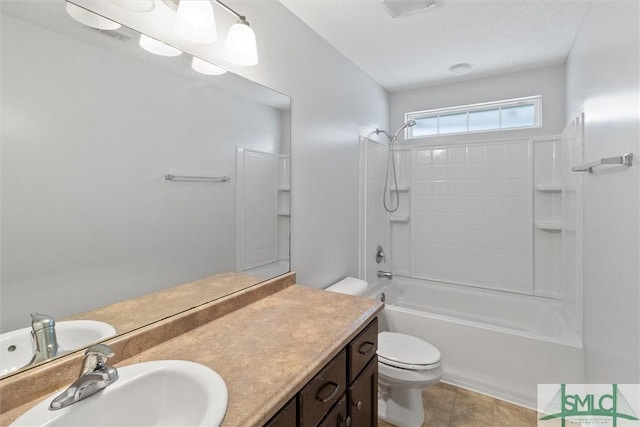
349 286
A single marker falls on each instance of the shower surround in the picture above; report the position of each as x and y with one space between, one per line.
483 249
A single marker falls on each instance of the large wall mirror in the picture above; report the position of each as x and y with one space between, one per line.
91 126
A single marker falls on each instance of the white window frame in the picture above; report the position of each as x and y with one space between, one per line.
535 101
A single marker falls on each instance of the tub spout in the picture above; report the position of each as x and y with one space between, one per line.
386 274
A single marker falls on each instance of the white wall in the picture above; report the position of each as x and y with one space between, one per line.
603 81
84 151
548 82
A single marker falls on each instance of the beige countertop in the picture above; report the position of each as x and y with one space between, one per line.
266 350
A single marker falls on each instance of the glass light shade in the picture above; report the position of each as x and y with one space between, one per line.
195 22
240 46
90 19
157 47
205 67
135 5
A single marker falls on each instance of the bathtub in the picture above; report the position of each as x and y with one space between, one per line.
496 343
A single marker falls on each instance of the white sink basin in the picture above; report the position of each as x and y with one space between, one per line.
159 393
16 347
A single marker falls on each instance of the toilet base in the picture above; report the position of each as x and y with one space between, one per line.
400 406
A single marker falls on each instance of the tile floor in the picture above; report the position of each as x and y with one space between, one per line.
449 406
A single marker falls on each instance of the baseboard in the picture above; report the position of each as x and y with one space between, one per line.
489 390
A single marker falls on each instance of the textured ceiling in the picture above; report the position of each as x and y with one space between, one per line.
417 50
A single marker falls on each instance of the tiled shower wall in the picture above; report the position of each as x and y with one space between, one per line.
471 215
500 215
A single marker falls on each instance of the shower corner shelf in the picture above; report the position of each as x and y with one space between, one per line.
548 225
283 188
283 212
399 218
549 188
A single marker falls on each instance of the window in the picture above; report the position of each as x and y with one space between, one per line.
518 113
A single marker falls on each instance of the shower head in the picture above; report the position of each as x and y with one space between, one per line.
394 137
403 127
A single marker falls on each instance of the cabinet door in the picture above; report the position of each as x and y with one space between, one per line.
363 397
286 417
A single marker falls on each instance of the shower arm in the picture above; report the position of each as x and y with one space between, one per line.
379 131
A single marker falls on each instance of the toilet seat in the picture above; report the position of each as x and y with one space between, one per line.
406 352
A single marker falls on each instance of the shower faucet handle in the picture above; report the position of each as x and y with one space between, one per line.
379 254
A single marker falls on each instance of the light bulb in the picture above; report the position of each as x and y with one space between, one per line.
205 67
157 47
90 19
195 22
240 46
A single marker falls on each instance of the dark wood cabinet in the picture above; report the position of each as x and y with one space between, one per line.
338 416
363 396
323 391
345 391
361 349
286 417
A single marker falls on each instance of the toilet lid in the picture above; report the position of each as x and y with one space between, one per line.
405 351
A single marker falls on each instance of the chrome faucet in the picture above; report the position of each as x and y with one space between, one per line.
94 376
43 332
386 274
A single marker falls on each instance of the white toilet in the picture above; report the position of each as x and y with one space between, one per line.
406 365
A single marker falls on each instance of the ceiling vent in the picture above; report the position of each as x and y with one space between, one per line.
397 8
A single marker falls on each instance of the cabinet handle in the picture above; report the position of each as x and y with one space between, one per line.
366 347
345 421
358 404
331 395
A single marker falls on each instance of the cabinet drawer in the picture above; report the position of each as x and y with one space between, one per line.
320 394
286 417
338 416
362 349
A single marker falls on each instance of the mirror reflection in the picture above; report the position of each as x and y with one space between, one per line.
110 165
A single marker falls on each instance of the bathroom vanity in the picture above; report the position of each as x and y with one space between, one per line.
344 392
289 355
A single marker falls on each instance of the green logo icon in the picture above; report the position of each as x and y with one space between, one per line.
589 408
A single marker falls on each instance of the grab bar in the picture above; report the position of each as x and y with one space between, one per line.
626 160
172 177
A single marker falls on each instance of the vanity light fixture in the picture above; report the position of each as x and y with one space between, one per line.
156 47
90 19
240 46
141 6
205 67
199 27
195 21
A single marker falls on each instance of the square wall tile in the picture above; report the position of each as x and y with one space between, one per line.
458 155
440 156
